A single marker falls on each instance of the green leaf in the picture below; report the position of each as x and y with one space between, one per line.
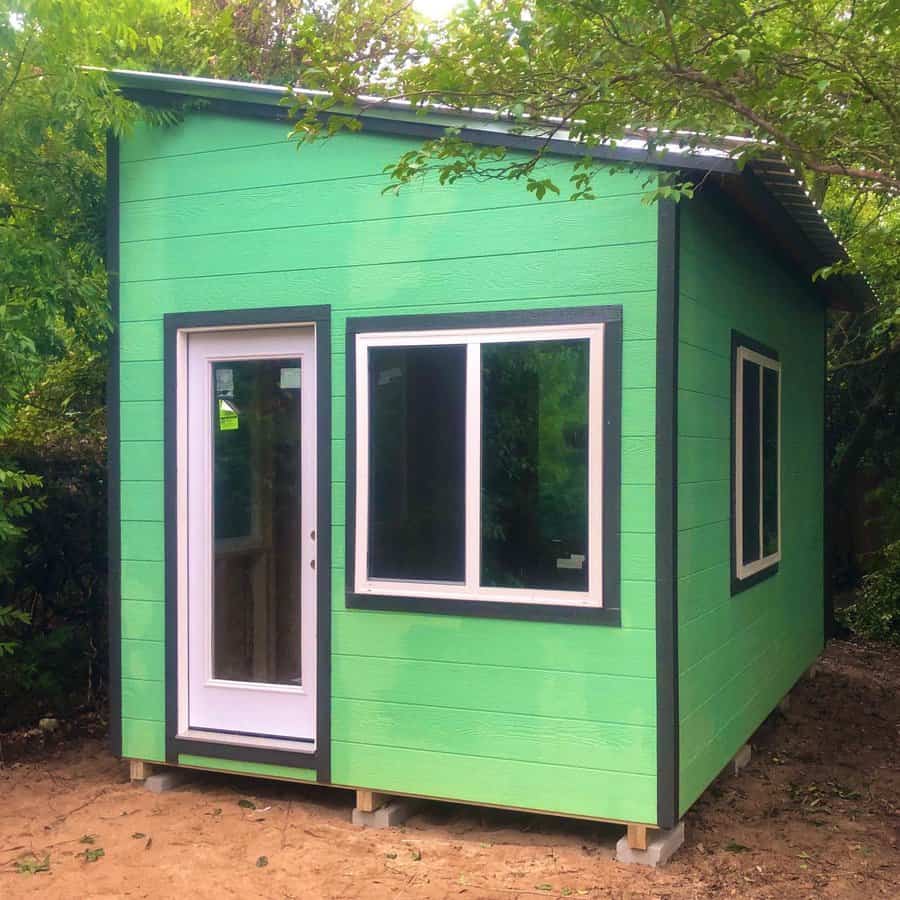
31 865
734 847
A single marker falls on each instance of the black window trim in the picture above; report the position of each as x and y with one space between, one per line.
739 585
610 612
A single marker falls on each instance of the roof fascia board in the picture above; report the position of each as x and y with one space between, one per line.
777 227
475 127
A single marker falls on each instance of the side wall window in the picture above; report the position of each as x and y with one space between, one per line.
479 461
756 488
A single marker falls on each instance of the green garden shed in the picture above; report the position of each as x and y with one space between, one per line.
457 494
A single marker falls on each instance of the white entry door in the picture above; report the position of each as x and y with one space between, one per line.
247 599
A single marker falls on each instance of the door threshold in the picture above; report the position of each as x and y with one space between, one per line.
300 746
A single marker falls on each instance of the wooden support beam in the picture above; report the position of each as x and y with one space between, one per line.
369 801
637 837
140 770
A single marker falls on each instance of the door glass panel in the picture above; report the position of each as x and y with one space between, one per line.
417 463
770 461
256 520
534 464
750 485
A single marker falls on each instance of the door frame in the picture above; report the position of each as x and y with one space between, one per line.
176 327
239 710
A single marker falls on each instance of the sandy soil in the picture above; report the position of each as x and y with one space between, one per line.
815 815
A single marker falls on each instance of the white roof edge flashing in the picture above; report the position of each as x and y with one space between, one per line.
484 120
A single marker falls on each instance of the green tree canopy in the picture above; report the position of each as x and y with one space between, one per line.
816 81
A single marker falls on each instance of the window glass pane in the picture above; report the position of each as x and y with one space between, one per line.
770 461
256 520
534 505
417 408
750 460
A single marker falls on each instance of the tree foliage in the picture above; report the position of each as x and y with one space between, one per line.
54 321
53 119
814 80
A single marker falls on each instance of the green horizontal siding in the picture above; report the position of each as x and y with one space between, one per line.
142 541
222 213
142 739
143 460
141 420
144 699
566 276
498 642
739 655
265 770
142 501
143 659
578 743
502 782
143 620
533 691
142 580
379 244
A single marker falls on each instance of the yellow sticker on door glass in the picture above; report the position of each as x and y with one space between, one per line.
228 417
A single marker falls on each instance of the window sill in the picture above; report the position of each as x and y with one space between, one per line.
488 609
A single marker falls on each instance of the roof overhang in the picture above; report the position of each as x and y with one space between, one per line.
767 190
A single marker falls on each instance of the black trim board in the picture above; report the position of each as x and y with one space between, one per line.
777 228
320 316
829 623
742 340
373 123
739 585
610 613
745 199
667 736
113 467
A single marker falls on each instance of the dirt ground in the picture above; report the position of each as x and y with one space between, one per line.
815 815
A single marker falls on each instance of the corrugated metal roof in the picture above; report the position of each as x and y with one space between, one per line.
808 239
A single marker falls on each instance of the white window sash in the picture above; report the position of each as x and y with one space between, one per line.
745 570
471 589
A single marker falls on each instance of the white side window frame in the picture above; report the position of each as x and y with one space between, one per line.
745 570
471 589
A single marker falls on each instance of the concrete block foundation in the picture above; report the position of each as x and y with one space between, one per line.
741 759
167 781
393 813
660 848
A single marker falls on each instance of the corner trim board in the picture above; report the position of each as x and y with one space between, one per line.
829 623
667 734
113 461
320 758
